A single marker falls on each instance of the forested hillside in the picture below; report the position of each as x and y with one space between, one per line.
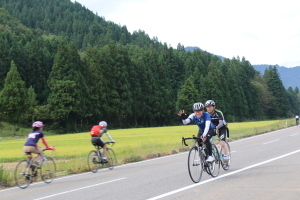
289 76
68 67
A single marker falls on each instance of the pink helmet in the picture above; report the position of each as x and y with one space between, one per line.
37 124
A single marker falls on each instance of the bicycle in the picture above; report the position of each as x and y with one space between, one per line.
96 162
197 160
225 163
27 170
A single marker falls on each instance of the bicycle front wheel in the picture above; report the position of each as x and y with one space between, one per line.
93 161
48 170
195 165
111 158
226 163
22 176
216 164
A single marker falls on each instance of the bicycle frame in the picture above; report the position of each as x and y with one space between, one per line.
212 168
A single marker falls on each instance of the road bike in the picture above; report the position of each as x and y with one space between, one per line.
28 170
224 162
96 162
197 160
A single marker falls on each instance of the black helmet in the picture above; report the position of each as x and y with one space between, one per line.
210 103
198 106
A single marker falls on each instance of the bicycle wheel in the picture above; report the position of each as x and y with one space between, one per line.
48 170
215 166
111 158
226 163
93 161
21 178
195 165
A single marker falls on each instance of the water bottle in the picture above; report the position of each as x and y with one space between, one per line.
101 154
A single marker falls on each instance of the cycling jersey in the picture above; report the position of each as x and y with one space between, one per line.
33 138
96 131
217 118
203 122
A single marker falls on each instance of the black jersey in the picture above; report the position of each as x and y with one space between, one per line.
217 118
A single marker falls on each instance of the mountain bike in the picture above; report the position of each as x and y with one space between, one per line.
197 160
28 170
224 162
96 162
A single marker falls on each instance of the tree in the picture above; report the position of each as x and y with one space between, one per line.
187 95
68 98
14 97
280 104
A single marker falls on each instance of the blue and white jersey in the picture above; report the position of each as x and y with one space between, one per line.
199 121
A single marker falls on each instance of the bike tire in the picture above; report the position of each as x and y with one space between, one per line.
195 165
111 158
21 179
226 164
48 170
93 161
214 167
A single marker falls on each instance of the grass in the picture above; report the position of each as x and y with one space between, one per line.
131 145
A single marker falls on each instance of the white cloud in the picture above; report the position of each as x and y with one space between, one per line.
263 31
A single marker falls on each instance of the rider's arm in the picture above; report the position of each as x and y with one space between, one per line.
187 120
45 142
109 137
221 119
221 123
207 125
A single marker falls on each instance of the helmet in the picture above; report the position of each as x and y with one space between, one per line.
210 103
103 123
37 124
198 106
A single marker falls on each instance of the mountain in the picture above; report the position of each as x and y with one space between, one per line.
194 48
289 76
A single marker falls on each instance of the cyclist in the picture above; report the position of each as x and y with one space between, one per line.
206 128
297 119
96 132
33 138
217 118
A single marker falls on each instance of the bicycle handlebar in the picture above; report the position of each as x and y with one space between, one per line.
193 137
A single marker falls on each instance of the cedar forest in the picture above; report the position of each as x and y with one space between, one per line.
64 65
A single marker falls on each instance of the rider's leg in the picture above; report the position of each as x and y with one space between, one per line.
222 136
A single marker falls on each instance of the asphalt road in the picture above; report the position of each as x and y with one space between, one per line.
263 167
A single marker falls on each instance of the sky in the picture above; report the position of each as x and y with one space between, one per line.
262 31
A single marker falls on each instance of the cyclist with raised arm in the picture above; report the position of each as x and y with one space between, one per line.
97 132
217 118
203 121
33 138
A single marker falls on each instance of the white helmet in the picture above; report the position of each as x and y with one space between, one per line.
103 123
198 106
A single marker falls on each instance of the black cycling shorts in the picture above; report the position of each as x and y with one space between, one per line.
223 133
96 141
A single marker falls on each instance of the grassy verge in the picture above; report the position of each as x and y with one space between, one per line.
132 145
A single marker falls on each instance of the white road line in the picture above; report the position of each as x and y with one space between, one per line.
271 141
294 134
231 173
259 135
79 189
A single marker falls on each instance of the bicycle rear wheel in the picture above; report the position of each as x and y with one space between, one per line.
195 165
215 166
226 163
93 161
21 178
111 158
48 170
